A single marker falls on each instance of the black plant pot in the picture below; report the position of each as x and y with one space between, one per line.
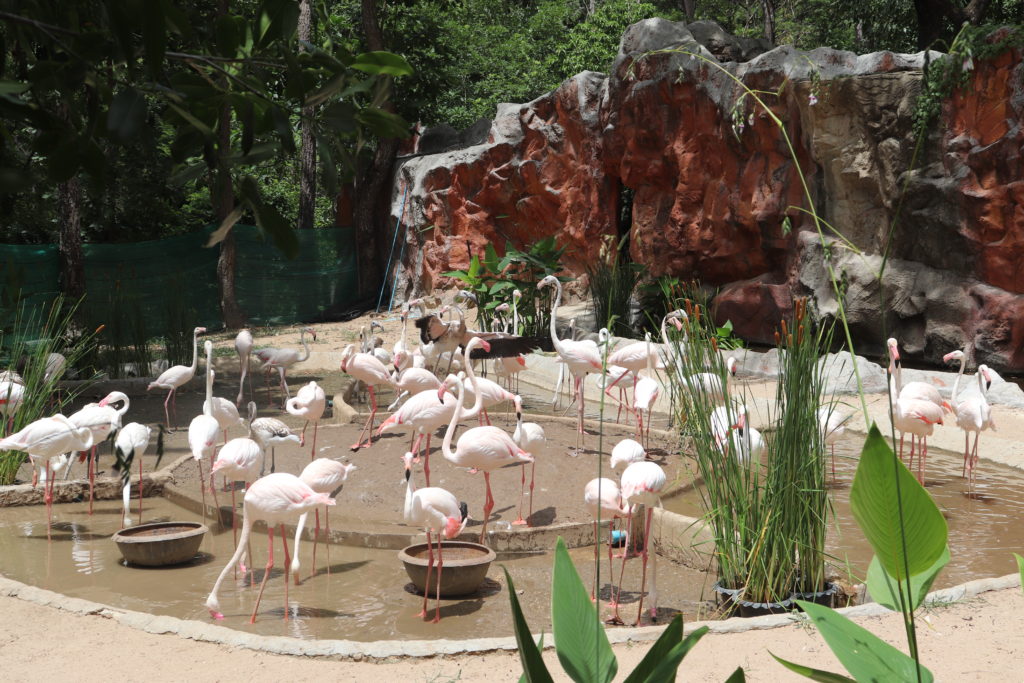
725 598
748 608
823 597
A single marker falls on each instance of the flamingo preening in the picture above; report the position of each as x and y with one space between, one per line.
309 402
239 460
177 376
102 420
223 411
437 511
276 499
270 432
482 449
131 442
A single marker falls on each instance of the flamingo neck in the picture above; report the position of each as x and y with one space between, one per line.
956 383
554 317
410 489
208 406
195 352
305 345
478 397
446 445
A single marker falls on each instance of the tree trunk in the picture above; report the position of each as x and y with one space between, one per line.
769 20
374 183
223 200
307 159
69 245
690 10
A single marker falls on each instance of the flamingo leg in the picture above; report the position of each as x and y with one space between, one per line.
167 415
426 461
597 542
414 446
302 436
440 567
202 489
287 563
522 491
312 453
616 619
48 486
140 488
533 472
316 539
266 574
967 457
234 528
92 475
369 423
327 544
426 585
643 576
488 506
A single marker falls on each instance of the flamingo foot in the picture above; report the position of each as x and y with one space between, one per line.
436 619
614 621
520 522
216 615
421 615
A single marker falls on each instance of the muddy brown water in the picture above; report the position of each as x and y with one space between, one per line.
984 525
366 596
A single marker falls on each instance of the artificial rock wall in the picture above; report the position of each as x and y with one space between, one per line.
710 196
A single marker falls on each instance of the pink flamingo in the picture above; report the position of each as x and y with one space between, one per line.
626 452
437 510
530 437
369 370
177 376
101 419
275 499
12 395
323 475
223 411
243 347
603 500
424 413
641 484
492 394
645 393
581 357
413 380
238 460
832 424
973 414
309 402
202 437
46 441
481 449
282 359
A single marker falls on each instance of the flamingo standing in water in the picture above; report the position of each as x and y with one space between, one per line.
909 392
279 498
530 437
367 369
832 424
309 402
131 442
424 413
102 420
581 357
482 449
603 500
177 376
973 414
438 511
202 437
323 475
642 482
47 441
243 347
283 359
239 460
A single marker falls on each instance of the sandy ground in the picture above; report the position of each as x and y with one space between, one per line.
970 640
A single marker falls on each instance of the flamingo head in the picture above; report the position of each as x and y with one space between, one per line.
198 331
455 525
516 294
678 323
113 397
730 365
346 356
549 281
953 356
521 361
894 349
407 460
502 308
374 324
986 374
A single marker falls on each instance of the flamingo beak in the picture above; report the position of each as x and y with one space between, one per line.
440 393
485 345
678 323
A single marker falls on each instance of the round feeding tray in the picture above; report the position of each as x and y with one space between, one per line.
465 567
160 543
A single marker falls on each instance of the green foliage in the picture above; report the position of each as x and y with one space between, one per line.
580 640
612 281
1020 566
952 71
885 589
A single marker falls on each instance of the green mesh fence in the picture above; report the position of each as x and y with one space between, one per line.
164 288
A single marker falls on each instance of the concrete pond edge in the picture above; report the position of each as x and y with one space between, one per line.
384 649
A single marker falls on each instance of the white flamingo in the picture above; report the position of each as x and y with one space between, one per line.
243 347
271 432
283 359
645 393
603 500
309 402
641 484
973 414
177 376
131 442
223 411
530 437
323 475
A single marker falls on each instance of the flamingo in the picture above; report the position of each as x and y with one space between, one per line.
177 376
243 347
370 371
282 359
645 393
239 460
270 432
580 357
604 501
12 395
202 435
481 448
557 395
46 441
424 413
101 419
413 380
606 381
911 413
275 499
309 402
323 475
710 384
530 437
833 426
914 390
438 511
973 414
492 394
626 452
223 411
635 356
131 442
641 484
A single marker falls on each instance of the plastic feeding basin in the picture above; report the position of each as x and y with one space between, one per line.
160 543
465 567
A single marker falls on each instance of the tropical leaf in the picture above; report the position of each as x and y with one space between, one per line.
534 669
812 673
384 63
580 641
883 588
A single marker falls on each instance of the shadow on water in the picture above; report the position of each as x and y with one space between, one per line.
199 560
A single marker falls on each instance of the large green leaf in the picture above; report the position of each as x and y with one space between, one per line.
382 63
883 589
534 669
663 658
812 673
278 21
1020 567
127 115
737 676
877 499
580 641
865 656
